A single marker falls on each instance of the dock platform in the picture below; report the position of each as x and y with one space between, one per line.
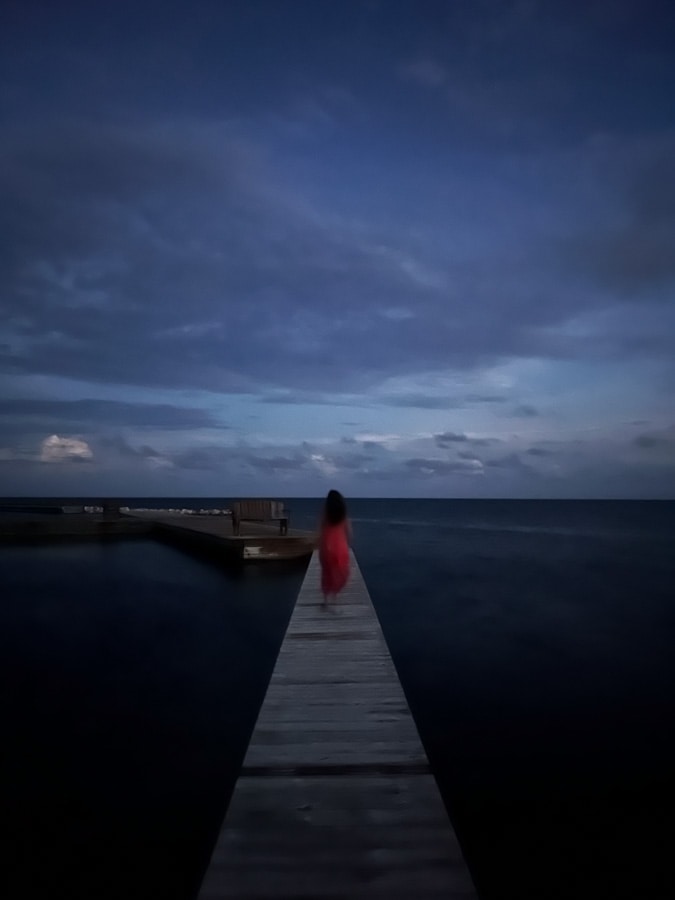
257 541
335 798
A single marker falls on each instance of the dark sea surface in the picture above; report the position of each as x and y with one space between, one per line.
131 678
533 639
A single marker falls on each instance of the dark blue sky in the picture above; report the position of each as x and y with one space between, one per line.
408 249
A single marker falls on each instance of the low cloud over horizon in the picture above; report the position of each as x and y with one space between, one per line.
405 250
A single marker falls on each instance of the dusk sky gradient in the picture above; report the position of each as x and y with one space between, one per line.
399 248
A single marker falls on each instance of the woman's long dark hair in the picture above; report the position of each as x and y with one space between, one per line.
335 510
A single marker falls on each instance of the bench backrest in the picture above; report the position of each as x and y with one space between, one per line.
258 509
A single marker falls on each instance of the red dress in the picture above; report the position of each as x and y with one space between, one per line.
334 557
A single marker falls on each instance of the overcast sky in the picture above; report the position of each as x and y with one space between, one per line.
399 248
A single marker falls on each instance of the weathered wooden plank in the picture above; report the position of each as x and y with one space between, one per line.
335 798
366 753
286 722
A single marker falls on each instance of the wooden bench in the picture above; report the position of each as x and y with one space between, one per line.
259 511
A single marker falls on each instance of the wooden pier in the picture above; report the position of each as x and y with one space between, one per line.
257 541
335 798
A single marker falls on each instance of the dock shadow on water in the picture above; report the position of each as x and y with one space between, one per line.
132 676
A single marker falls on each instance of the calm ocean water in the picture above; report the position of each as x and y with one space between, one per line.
533 640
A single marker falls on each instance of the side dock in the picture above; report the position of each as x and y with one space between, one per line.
335 798
214 533
208 534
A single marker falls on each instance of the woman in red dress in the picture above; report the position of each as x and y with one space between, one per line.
334 543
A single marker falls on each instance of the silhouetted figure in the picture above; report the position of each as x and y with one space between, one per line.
334 540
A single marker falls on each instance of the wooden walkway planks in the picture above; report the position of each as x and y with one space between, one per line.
335 798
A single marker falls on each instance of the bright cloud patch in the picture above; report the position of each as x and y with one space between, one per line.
61 449
324 465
